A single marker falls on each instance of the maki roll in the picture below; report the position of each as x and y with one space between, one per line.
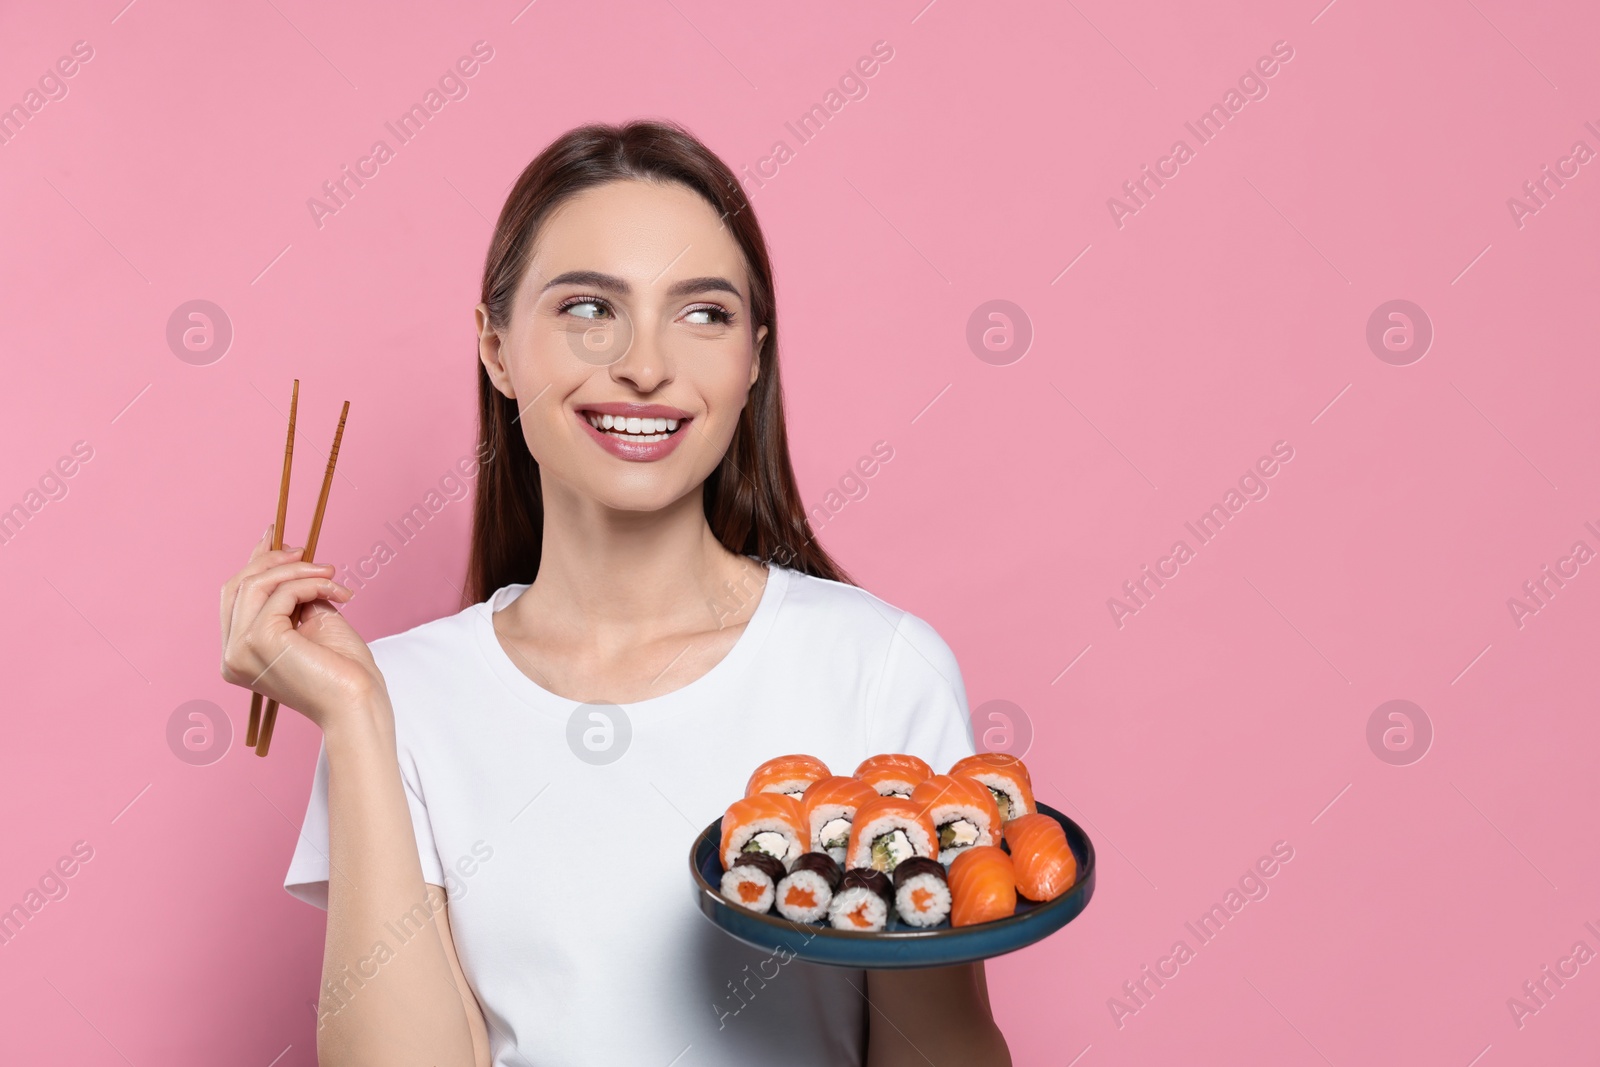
1006 777
921 895
803 895
893 773
888 830
862 902
1044 862
752 881
963 812
764 822
786 774
983 886
827 810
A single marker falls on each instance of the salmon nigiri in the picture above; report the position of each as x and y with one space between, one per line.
893 773
983 886
827 810
1007 778
786 774
1044 862
763 822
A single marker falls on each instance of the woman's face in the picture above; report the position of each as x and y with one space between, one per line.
630 351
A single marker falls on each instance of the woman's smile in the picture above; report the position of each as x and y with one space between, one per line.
636 432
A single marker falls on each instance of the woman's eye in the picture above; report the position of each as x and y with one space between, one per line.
707 316
585 309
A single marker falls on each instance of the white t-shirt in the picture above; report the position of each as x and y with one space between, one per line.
571 902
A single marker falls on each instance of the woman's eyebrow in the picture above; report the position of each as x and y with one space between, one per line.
701 285
589 277
600 280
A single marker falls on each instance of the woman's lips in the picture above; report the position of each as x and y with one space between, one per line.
640 433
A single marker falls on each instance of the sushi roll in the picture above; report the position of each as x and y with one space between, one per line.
1044 862
752 881
921 894
803 895
893 773
786 774
1006 777
765 822
862 902
888 830
963 812
983 886
827 810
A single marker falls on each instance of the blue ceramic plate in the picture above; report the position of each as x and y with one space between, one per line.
897 945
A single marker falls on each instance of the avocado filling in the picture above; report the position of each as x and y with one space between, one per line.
1002 800
771 842
889 849
957 833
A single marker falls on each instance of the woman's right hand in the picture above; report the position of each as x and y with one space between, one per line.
321 668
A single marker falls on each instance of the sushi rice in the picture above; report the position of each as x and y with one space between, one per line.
858 908
803 896
752 880
921 894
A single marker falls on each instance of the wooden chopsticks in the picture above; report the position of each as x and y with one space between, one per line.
259 734
277 540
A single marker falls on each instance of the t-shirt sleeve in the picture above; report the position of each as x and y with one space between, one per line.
308 868
922 701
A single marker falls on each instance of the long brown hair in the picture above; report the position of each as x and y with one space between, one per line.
751 500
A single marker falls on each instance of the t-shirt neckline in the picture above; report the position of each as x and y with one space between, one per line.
536 696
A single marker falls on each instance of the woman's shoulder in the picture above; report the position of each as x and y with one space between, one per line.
849 613
913 687
446 629
434 645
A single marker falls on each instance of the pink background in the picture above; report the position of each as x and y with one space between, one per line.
1228 314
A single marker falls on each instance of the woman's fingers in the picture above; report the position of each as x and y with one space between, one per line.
291 594
230 586
262 639
252 591
261 558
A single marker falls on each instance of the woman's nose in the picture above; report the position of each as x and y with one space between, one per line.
642 360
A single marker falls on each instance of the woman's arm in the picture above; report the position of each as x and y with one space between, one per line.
932 1015
475 1020
392 993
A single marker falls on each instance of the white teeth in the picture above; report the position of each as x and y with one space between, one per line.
639 429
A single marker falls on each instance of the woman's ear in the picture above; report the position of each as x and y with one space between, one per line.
489 351
755 362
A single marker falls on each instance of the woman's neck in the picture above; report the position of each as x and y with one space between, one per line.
630 574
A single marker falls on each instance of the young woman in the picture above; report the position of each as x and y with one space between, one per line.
505 798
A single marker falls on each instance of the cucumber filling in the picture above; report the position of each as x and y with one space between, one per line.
957 833
1002 800
889 849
